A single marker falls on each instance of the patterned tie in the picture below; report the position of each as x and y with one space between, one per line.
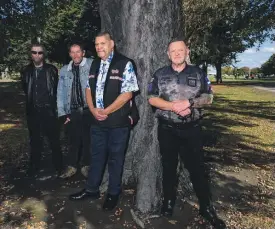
103 69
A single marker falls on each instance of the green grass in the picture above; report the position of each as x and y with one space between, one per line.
240 132
247 112
13 131
239 135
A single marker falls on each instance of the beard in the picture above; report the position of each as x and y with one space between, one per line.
179 62
38 61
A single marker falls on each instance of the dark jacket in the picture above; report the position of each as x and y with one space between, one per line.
27 76
119 118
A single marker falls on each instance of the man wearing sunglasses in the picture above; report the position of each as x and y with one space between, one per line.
39 80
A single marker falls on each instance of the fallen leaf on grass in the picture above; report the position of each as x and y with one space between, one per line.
174 222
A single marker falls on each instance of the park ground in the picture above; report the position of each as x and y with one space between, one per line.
239 145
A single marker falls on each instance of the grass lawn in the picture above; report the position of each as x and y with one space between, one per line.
239 139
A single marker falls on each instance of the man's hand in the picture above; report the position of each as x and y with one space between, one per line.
67 120
103 112
185 112
180 105
99 114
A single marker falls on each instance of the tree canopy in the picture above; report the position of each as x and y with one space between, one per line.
268 68
53 23
215 30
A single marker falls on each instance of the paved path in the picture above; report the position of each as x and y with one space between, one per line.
270 89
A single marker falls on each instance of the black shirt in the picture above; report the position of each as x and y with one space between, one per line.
76 97
171 85
40 90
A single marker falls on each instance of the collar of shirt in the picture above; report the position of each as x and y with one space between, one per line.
83 62
109 59
176 72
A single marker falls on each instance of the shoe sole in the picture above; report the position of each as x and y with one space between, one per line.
67 176
85 198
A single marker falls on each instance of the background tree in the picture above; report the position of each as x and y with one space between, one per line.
77 21
218 30
14 21
245 70
54 23
255 70
227 70
268 68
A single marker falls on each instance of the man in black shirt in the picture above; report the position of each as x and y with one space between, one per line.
39 81
179 92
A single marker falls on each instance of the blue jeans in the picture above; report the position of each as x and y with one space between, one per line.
107 145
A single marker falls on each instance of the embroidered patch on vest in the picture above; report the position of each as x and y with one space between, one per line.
115 71
192 82
116 78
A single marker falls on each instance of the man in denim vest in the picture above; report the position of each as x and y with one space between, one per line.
73 109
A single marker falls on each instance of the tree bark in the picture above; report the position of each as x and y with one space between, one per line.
219 72
204 67
142 30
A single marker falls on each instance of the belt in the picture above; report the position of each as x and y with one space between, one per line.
79 108
42 106
177 125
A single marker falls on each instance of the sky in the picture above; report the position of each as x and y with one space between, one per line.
255 58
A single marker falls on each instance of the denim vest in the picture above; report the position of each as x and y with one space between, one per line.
65 82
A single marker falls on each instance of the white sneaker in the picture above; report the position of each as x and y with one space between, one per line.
69 172
85 171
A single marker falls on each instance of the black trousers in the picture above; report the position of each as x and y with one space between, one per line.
107 144
186 142
78 135
43 122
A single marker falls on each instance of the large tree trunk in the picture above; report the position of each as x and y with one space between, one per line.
204 67
142 30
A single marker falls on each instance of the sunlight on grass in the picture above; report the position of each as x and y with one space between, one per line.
242 120
252 107
6 126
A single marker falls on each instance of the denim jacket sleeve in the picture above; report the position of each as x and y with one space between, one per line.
60 92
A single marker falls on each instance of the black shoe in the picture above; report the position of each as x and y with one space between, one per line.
210 215
84 194
110 202
167 208
32 172
58 173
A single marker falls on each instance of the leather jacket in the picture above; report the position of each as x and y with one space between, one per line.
27 76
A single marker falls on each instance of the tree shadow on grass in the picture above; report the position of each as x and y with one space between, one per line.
257 109
62 213
270 82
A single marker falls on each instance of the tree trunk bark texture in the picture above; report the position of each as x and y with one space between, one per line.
219 72
142 30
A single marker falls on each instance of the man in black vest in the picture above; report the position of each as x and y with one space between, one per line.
39 81
110 88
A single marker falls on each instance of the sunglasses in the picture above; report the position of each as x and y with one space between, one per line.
39 53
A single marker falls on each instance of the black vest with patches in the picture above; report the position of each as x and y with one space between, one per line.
112 90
